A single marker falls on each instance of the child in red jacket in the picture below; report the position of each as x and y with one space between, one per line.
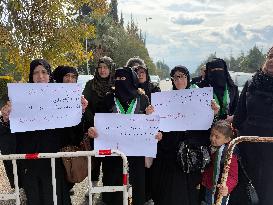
221 134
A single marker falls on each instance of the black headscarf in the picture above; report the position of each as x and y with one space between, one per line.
145 85
61 71
4 91
126 90
104 85
182 69
262 82
218 79
37 62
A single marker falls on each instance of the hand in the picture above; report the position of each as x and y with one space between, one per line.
229 118
223 190
215 107
6 109
158 136
84 103
92 132
149 110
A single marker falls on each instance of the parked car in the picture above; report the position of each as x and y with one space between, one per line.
83 79
240 79
155 79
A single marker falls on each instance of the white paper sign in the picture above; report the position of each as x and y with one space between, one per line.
187 109
40 106
132 134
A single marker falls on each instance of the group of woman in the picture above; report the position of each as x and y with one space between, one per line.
128 90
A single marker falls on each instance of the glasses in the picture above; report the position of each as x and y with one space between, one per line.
179 77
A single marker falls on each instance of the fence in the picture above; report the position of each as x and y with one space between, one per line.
125 188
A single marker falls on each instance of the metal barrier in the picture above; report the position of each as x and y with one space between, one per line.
125 188
230 150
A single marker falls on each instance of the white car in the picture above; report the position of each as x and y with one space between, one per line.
83 79
240 79
155 79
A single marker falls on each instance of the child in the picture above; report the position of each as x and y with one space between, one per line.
221 134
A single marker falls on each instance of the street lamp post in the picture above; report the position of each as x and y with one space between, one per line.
87 65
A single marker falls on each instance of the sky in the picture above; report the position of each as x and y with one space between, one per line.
185 32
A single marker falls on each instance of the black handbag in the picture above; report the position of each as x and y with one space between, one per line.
191 157
252 195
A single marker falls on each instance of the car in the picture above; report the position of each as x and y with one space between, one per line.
167 79
155 79
83 79
240 79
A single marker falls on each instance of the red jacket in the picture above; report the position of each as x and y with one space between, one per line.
232 175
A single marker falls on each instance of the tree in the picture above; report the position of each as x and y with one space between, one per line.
121 20
114 41
162 69
114 10
45 29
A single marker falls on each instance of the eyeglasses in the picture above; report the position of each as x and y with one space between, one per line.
179 77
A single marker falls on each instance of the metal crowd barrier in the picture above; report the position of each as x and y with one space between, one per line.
230 150
125 188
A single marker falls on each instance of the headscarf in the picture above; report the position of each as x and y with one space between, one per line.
218 79
182 69
145 85
103 85
126 90
61 71
34 64
136 60
262 82
4 91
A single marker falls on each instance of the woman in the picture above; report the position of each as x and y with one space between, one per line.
171 186
38 172
225 91
145 81
7 139
65 74
149 88
95 92
254 117
125 94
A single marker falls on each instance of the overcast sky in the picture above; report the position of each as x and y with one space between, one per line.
185 32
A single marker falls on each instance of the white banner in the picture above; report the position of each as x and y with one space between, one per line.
186 109
132 134
40 106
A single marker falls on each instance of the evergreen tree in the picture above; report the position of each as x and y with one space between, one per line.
114 10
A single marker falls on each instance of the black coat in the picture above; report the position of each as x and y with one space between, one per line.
7 146
254 117
151 88
96 104
233 96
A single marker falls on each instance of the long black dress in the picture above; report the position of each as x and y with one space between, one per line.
7 146
112 166
36 174
254 117
171 186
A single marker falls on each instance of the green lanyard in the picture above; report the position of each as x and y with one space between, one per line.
130 108
223 109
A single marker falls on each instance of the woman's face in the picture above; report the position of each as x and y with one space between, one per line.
142 76
180 80
40 75
268 65
70 78
103 70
